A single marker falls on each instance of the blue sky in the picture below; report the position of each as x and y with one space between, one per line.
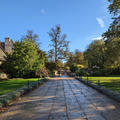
81 20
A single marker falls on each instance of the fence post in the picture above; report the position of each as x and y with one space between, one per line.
28 84
99 83
38 83
87 79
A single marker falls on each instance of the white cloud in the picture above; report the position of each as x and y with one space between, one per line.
100 22
43 11
97 38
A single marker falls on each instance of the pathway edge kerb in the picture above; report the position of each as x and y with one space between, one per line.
5 100
105 91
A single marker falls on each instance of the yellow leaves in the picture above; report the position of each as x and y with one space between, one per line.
80 66
67 68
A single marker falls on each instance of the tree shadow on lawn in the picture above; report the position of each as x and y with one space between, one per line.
112 85
11 85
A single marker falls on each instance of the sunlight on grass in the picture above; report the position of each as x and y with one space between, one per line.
13 84
112 83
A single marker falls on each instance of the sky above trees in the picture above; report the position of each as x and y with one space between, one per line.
81 20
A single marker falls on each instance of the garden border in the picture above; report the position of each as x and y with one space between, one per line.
6 99
113 95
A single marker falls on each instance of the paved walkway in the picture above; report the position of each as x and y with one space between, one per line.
63 99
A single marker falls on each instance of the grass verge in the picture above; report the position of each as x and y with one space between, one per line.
112 83
13 84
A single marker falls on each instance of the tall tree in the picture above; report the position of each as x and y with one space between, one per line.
70 59
112 38
32 38
113 54
75 58
24 60
51 55
114 28
114 7
59 46
79 58
95 54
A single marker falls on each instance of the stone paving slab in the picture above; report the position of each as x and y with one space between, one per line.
63 99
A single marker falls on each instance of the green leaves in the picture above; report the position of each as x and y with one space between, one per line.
114 6
114 28
113 54
95 54
24 60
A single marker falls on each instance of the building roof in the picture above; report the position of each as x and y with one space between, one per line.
2 56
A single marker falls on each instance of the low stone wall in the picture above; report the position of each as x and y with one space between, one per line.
107 92
6 99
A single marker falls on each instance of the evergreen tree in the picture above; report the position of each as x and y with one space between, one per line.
24 60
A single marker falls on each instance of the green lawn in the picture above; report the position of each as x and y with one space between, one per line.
13 84
112 83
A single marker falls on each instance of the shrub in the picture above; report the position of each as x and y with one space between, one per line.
73 68
42 72
81 72
99 72
24 60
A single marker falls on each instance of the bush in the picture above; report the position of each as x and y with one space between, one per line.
24 60
99 72
81 72
42 72
73 68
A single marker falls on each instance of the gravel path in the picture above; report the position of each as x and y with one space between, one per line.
63 99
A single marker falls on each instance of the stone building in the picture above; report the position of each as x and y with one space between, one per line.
2 55
5 48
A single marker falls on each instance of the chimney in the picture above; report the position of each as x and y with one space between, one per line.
8 45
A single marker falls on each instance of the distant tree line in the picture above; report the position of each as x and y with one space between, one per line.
102 57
